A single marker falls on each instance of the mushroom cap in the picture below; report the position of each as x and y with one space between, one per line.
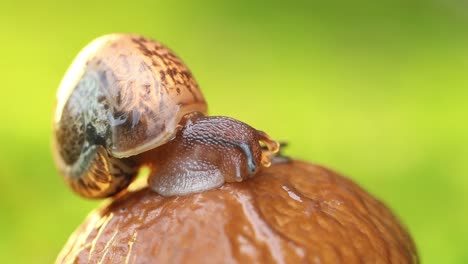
125 92
292 212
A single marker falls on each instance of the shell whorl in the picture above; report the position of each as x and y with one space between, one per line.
123 95
96 174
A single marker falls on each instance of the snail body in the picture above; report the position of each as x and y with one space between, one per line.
205 153
127 101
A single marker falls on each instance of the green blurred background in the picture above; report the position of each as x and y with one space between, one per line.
377 91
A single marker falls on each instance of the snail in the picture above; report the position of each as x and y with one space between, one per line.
127 102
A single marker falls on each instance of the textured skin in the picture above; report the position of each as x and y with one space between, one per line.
127 94
205 153
289 213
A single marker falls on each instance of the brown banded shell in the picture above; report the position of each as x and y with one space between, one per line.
123 95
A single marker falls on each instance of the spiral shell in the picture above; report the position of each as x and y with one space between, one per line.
123 95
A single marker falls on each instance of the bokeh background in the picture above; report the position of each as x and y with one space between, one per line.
377 90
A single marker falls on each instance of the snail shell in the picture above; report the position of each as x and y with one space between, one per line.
123 95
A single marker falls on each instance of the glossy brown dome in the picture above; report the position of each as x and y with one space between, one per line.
292 212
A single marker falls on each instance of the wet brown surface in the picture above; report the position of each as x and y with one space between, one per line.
290 213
